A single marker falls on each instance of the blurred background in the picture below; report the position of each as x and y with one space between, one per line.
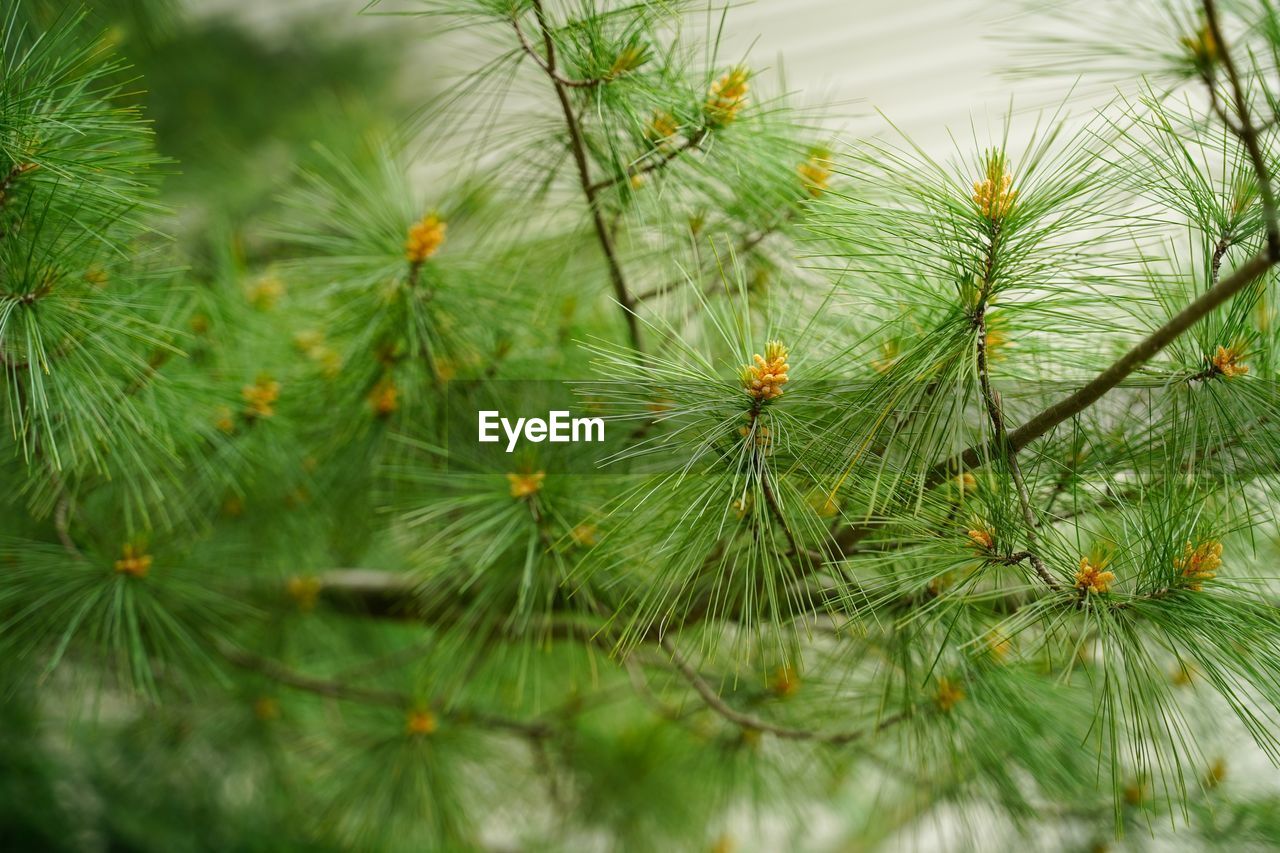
935 69
241 91
930 66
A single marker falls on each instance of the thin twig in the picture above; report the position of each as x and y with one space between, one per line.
640 685
995 412
991 398
762 468
1219 252
6 183
578 146
157 360
549 67
654 165
1246 131
281 674
754 723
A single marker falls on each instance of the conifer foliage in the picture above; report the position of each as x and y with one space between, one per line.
936 505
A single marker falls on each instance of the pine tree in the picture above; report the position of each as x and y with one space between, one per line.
934 506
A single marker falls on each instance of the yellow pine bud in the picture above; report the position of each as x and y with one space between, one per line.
815 171
384 398
1202 47
421 722
525 485
994 194
264 293
764 379
726 97
266 708
628 59
584 534
425 239
224 420
305 591
785 682
260 397
661 127
134 562
1226 362
982 538
1091 577
948 695
1199 563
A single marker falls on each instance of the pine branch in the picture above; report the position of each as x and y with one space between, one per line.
762 469
282 675
363 583
1216 295
6 183
62 517
155 362
1112 376
369 592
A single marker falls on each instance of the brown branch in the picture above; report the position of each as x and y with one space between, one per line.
364 582
15 172
578 146
754 723
642 689
158 359
370 592
991 399
1219 252
1245 130
762 468
775 509
369 582
548 67
381 594
1218 293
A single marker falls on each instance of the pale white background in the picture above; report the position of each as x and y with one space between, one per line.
929 65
